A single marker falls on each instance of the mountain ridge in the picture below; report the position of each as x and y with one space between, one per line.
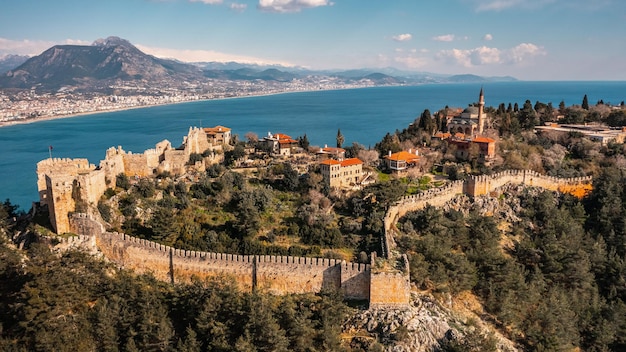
113 61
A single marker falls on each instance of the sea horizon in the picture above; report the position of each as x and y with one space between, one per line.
364 116
63 116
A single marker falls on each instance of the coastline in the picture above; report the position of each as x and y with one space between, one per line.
104 111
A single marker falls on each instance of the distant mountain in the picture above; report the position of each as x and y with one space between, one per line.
467 78
106 61
246 74
115 62
10 62
381 78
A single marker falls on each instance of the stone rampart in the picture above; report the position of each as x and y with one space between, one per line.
436 197
274 274
390 288
355 280
484 184
137 165
297 275
92 185
475 186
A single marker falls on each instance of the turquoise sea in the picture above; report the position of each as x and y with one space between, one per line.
364 115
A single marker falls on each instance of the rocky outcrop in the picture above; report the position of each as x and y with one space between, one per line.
423 327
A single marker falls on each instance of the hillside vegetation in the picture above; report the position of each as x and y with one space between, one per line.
545 270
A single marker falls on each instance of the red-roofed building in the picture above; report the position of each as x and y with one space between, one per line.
218 134
331 153
441 135
280 143
400 161
342 174
486 148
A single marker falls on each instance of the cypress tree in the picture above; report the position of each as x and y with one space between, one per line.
585 103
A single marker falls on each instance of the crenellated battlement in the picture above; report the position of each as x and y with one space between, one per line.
483 184
274 274
475 186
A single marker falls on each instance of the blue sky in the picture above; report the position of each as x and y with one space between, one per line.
527 39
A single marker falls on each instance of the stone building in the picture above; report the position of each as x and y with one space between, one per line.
279 144
472 119
347 173
479 147
218 135
399 162
330 153
465 132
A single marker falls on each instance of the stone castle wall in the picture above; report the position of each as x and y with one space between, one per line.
274 274
475 186
59 167
64 183
436 197
60 200
390 288
92 185
480 185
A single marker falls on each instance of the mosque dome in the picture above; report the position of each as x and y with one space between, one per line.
472 110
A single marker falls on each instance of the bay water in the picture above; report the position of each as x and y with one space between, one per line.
363 115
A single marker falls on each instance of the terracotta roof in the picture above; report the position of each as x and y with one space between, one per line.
216 129
333 150
481 139
351 161
281 136
459 135
442 135
330 162
403 155
287 141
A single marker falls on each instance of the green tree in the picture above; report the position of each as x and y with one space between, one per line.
231 156
340 138
427 123
585 104
122 181
303 142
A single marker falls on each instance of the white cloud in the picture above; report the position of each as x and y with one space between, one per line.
488 37
491 56
484 56
208 2
412 62
497 5
283 6
238 7
501 5
205 56
402 37
444 38
524 51
32 47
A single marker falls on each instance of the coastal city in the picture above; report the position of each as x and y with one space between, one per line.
25 105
